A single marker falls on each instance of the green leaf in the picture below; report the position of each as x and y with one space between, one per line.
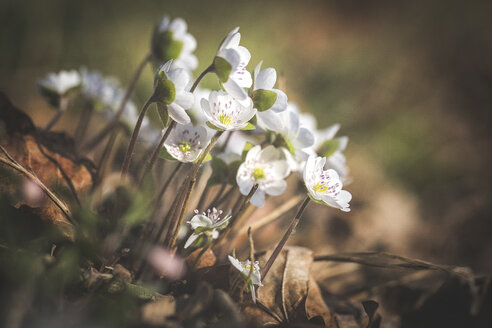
163 114
164 154
164 89
210 125
280 141
207 158
246 148
165 47
263 99
233 167
328 147
222 68
249 126
220 171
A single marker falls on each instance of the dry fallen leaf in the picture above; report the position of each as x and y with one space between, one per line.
207 259
156 313
289 294
49 155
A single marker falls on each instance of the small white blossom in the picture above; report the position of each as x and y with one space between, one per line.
230 65
296 139
170 89
206 225
268 168
245 268
266 99
172 41
325 185
57 85
186 142
224 112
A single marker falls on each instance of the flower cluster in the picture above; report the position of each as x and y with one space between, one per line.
261 136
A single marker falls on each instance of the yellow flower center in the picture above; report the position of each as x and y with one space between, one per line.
319 187
258 174
184 147
225 119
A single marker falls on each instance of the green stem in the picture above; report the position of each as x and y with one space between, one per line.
284 239
133 140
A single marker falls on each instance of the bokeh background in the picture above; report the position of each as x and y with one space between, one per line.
410 83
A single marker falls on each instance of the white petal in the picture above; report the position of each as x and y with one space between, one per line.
179 77
178 114
253 153
269 120
189 43
231 56
266 79
276 188
190 240
258 198
236 91
185 99
305 138
200 220
244 55
257 71
270 154
236 263
280 103
178 26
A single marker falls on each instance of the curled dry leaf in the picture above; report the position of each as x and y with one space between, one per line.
49 155
289 294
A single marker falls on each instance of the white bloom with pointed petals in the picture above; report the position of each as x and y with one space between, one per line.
206 225
266 99
325 185
224 112
61 82
268 168
230 66
170 88
245 267
172 41
186 142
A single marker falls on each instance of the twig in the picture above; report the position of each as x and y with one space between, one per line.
284 239
379 260
273 215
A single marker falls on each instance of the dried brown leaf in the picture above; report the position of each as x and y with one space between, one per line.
156 313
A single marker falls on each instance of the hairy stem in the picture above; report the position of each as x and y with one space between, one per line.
207 70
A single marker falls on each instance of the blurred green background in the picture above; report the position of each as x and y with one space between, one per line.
411 84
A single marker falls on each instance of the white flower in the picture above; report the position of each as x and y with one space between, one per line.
325 185
171 41
106 95
295 139
54 86
206 225
186 142
268 168
245 268
266 99
196 111
325 143
230 66
170 90
224 112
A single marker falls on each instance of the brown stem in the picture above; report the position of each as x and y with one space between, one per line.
157 149
191 183
284 239
213 203
201 76
236 215
133 140
53 121
104 132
